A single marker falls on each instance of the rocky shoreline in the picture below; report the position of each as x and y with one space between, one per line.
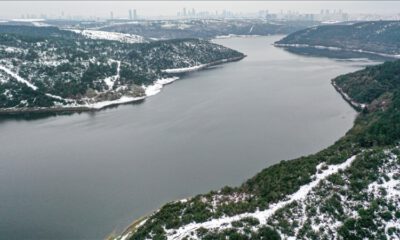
357 106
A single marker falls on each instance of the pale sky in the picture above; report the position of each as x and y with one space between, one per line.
102 9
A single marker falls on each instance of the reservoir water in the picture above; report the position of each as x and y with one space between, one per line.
82 176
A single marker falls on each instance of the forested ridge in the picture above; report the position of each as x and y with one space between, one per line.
347 40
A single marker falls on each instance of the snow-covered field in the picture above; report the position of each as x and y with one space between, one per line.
112 36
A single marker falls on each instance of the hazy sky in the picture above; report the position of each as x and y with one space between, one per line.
14 9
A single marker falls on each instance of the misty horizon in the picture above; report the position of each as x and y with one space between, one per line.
120 9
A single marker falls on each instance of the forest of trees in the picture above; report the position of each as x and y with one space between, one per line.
68 64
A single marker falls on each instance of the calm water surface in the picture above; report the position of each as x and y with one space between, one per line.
85 175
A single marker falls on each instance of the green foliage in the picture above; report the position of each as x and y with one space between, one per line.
369 84
332 206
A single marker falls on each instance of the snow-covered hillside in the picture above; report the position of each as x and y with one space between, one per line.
328 207
48 68
112 36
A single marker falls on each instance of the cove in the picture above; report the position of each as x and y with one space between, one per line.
81 176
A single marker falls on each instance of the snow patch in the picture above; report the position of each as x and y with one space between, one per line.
262 216
110 80
112 36
18 78
40 24
158 85
103 104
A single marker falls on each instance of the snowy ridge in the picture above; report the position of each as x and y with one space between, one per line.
262 216
112 36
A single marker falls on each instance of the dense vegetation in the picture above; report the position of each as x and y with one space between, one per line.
371 83
376 129
376 36
71 66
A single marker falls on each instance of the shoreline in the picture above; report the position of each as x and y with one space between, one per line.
336 49
130 230
150 90
357 106
202 66
138 222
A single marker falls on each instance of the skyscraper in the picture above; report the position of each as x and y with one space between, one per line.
130 14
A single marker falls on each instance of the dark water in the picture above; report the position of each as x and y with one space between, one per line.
84 175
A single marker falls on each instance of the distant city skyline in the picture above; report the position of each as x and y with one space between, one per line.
149 9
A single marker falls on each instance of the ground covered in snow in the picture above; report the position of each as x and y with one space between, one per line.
47 68
113 36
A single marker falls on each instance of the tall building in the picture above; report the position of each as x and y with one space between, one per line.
111 15
184 12
134 14
130 14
